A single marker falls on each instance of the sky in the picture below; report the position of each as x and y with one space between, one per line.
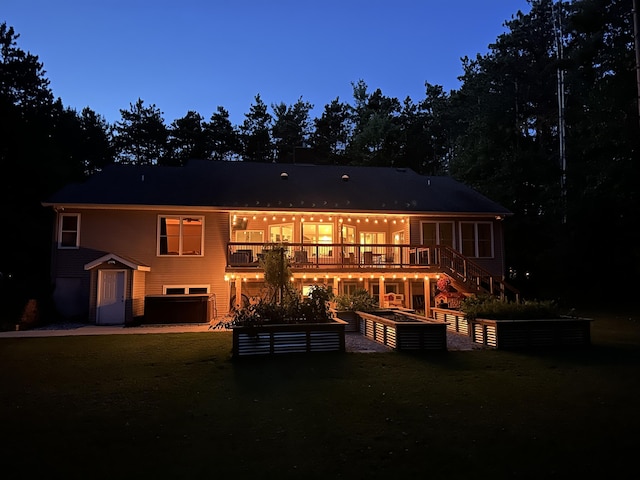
200 54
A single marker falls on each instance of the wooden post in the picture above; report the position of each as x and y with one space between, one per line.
238 283
427 297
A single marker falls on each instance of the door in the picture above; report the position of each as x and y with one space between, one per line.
111 301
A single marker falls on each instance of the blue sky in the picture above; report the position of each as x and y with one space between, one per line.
197 54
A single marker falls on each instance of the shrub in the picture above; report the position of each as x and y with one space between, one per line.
313 309
359 300
495 309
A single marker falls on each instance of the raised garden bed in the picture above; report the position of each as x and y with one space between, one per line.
514 334
403 331
289 338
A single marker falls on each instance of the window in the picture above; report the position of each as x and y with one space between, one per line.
69 234
250 236
185 289
349 234
182 236
372 238
281 233
476 239
437 233
318 233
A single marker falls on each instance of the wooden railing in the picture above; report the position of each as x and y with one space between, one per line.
466 275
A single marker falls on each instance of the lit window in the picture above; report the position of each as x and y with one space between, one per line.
69 234
182 236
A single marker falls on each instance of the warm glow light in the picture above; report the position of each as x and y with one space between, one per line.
226 278
254 217
361 279
367 220
284 219
315 279
264 219
244 279
273 218
349 275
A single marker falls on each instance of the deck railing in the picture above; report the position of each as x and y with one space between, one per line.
466 274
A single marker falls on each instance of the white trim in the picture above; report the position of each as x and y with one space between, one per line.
181 219
60 231
185 287
475 239
132 264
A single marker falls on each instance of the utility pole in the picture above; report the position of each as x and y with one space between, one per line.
636 34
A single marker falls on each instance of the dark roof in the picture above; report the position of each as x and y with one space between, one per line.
261 186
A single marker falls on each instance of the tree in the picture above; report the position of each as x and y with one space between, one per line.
141 135
331 131
223 138
376 130
255 133
425 143
290 129
187 140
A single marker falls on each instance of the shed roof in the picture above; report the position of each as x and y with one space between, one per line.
270 186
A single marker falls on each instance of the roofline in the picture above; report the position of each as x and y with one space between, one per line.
414 213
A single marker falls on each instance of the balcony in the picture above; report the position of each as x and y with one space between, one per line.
466 275
334 256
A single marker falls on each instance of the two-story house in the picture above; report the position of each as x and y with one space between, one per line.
134 237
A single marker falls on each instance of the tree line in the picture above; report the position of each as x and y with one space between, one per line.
546 123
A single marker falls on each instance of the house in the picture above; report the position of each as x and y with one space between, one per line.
174 244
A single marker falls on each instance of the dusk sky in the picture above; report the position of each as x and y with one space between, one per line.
198 54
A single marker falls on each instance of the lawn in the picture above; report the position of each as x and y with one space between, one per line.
177 406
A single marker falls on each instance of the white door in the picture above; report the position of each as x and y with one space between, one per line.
110 308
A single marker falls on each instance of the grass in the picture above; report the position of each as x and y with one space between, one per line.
177 406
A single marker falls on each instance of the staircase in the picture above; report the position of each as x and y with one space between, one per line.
469 278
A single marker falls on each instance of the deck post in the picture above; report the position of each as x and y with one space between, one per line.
427 297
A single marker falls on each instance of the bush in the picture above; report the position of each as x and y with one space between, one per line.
360 300
313 309
495 309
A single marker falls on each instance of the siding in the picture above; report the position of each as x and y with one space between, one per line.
132 234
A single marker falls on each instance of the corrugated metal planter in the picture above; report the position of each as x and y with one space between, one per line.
289 338
542 333
413 332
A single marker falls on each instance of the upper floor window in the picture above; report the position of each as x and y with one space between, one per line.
281 233
180 235
476 239
317 232
437 233
250 236
69 233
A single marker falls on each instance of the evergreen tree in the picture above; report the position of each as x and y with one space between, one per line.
223 138
331 131
255 133
187 140
290 129
141 135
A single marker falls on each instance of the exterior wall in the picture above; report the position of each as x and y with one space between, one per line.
495 265
133 234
